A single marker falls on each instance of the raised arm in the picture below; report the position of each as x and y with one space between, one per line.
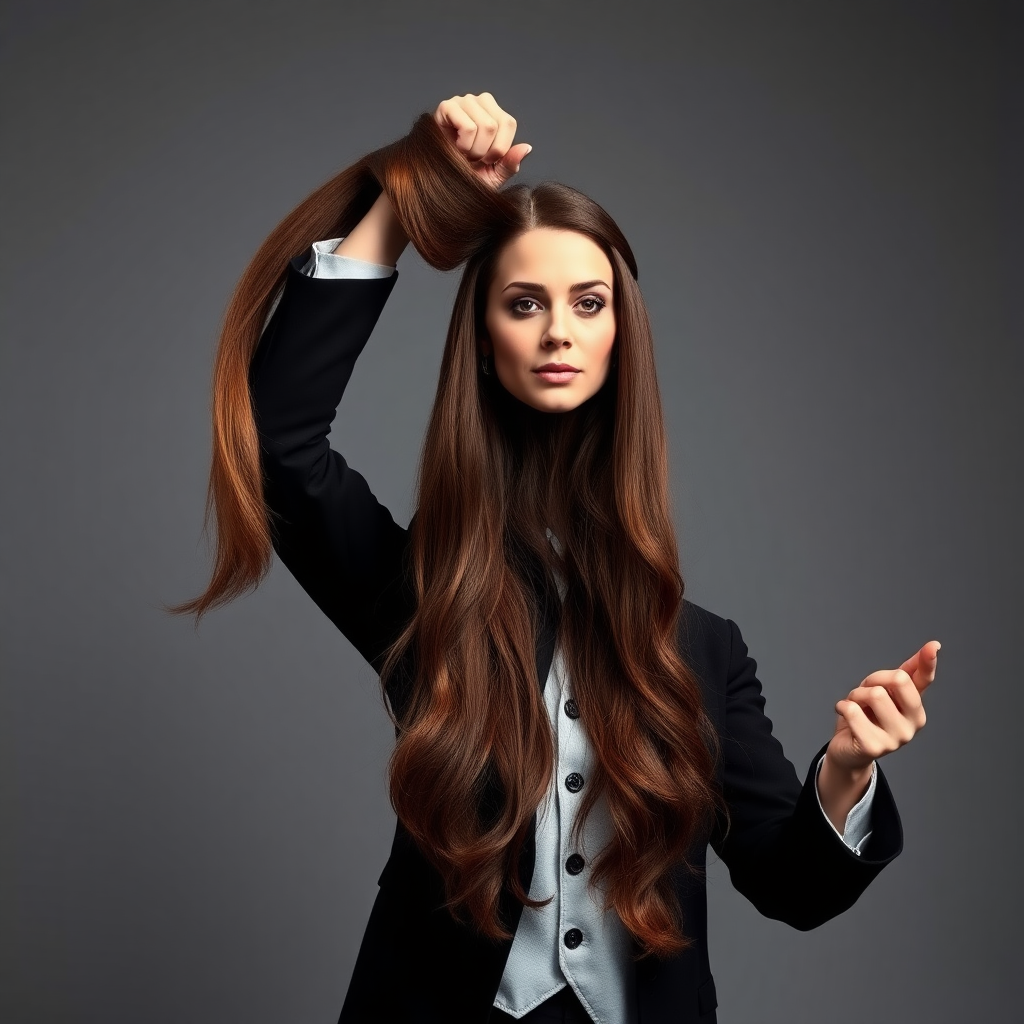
287 348
328 528
339 542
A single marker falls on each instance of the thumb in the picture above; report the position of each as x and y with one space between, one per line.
514 157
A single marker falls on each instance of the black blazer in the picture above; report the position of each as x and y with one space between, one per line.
415 963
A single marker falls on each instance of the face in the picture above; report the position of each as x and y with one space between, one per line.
551 302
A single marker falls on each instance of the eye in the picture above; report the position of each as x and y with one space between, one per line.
598 304
515 307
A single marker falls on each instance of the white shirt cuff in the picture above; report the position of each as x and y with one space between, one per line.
856 833
324 263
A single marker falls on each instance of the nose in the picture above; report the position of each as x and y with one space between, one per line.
557 334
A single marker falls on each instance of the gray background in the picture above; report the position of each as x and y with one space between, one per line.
819 199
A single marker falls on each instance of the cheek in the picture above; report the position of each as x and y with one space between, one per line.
511 342
606 340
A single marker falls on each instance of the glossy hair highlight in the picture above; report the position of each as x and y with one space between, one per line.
494 474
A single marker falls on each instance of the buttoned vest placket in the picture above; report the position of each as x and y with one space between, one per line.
572 940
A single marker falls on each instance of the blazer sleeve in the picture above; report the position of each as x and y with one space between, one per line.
781 851
338 541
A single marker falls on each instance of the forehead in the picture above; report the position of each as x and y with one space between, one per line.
553 257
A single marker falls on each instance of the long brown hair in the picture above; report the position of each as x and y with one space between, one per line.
494 474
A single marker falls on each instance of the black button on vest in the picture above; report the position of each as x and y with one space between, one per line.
572 709
575 864
574 782
573 937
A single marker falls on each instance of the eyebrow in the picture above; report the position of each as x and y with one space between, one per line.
533 286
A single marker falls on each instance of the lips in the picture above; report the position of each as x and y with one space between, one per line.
558 376
557 368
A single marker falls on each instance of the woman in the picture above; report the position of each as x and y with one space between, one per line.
571 732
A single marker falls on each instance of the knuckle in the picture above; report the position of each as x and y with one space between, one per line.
485 96
902 676
510 121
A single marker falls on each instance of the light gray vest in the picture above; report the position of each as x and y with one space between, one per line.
571 940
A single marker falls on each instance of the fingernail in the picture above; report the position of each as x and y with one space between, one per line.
939 648
528 151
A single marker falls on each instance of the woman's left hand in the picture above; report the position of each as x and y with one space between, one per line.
884 712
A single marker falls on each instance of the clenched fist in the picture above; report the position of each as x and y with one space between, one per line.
483 132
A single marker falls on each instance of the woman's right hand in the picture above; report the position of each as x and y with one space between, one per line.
483 133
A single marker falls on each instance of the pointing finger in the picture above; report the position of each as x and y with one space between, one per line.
923 665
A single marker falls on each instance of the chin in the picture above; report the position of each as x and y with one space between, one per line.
549 400
559 403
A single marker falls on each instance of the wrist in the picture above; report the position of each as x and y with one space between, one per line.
844 774
378 238
840 788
